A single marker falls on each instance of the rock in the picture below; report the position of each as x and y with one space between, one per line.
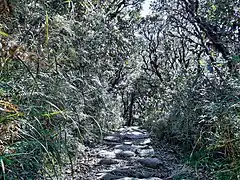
125 154
117 151
112 138
121 129
123 147
106 154
126 172
131 178
134 127
109 143
107 161
145 141
129 147
127 142
145 152
134 135
68 171
151 162
109 176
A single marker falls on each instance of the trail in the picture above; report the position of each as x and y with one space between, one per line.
129 154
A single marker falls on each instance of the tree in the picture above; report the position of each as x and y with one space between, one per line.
191 61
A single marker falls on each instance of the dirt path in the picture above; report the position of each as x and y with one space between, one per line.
129 154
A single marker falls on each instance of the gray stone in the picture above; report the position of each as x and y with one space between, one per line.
134 135
109 176
112 138
131 178
130 147
123 147
145 152
125 154
145 141
68 171
107 161
140 147
122 129
106 154
111 143
117 151
126 172
151 162
127 142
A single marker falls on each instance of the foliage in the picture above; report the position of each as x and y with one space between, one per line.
190 61
72 70
58 66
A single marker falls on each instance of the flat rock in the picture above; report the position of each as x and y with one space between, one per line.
106 154
109 143
126 172
107 161
117 151
125 154
131 178
123 147
68 171
151 162
112 138
145 141
145 152
127 142
134 135
129 147
121 129
108 176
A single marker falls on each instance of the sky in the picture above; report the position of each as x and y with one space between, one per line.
146 7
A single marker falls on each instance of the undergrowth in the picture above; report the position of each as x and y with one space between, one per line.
70 71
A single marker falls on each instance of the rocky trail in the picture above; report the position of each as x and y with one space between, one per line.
129 154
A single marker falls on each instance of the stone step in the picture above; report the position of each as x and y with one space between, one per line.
128 146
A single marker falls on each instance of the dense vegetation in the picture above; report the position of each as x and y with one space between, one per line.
72 70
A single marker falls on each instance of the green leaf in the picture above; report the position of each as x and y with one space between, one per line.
4 34
52 114
213 54
214 8
202 62
236 58
219 65
1 92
